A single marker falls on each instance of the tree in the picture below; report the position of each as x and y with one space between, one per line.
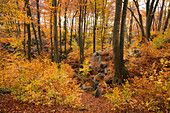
118 40
166 22
150 11
80 31
38 21
94 30
28 30
103 22
56 57
130 29
72 23
65 26
60 26
34 30
160 16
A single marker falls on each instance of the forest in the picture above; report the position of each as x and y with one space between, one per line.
84 56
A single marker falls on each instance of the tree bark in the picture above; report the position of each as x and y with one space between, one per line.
94 31
72 23
56 57
166 22
60 28
84 31
80 31
160 15
122 33
37 45
51 35
116 45
28 31
38 21
103 21
65 28
130 29
140 18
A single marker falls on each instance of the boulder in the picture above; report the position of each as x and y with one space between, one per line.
98 78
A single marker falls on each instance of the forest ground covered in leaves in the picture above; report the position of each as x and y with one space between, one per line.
146 90
76 56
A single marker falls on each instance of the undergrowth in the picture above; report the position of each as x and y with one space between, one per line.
39 81
149 90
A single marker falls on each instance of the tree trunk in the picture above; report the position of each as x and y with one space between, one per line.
72 23
140 18
34 31
51 35
56 58
123 30
150 14
124 72
84 32
166 22
103 18
19 29
94 31
28 31
38 21
80 31
130 29
65 29
160 15
116 45
60 29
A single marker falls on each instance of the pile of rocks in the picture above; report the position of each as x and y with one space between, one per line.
101 72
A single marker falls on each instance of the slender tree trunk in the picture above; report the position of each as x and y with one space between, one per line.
122 33
28 31
65 28
60 29
150 14
103 18
24 38
167 19
51 35
19 29
140 18
94 31
130 29
124 72
72 23
37 45
160 15
116 45
56 57
80 32
38 21
84 32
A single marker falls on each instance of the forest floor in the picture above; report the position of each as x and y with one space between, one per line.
90 104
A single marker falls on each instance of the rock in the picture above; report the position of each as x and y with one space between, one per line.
100 76
95 82
5 91
98 60
103 65
83 86
98 69
97 53
98 92
106 71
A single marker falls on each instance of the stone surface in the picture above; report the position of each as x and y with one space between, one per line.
100 74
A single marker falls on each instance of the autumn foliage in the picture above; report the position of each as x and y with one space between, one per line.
40 72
